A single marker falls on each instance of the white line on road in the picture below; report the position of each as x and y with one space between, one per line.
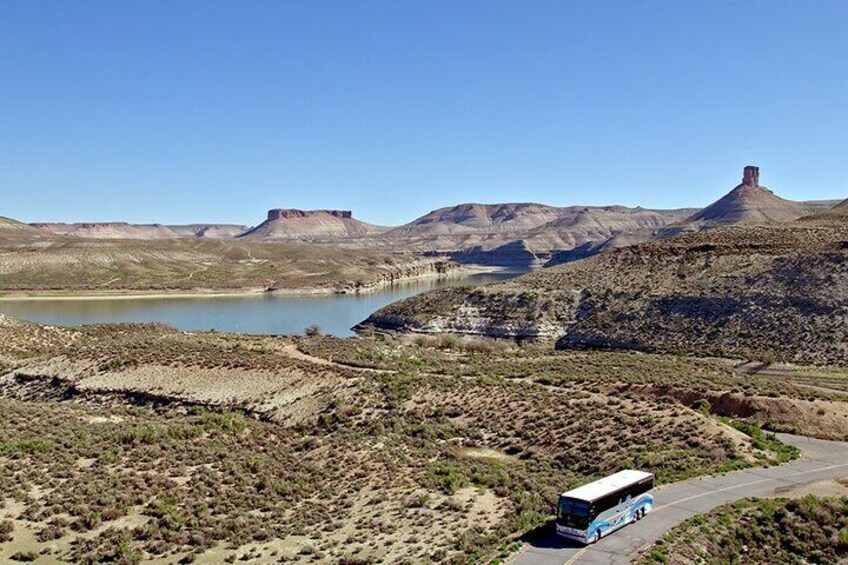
734 487
672 504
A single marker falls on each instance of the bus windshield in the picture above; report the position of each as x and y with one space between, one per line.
573 513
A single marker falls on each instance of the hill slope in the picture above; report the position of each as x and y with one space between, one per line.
188 264
310 225
13 231
478 218
836 213
747 203
123 230
519 234
778 291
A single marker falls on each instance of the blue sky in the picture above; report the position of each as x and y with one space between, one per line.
216 111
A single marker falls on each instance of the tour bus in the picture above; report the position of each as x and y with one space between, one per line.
592 511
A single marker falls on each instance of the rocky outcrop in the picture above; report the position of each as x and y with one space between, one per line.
289 213
414 269
776 292
323 226
751 176
747 203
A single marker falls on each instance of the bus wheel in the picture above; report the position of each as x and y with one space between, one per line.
597 536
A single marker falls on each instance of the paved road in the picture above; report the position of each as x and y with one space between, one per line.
820 460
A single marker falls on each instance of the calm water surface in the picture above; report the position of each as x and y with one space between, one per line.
264 314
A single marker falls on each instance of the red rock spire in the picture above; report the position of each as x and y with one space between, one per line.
751 176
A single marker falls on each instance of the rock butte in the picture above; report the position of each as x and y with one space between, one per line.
522 234
310 225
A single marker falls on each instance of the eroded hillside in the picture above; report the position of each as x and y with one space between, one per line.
775 292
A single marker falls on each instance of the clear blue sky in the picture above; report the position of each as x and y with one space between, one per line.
216 111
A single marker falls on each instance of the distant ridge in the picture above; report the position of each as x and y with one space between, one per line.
475 218
521 234
124 230
310 225
838 212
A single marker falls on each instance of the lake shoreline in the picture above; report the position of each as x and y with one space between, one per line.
71 295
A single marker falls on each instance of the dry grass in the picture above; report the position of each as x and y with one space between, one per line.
150 442
77 265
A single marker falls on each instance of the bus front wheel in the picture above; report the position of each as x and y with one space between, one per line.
597 536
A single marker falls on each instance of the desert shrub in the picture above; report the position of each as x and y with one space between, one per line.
764 441
702 405
313 330
752 531
6 530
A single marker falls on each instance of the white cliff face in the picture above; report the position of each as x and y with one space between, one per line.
495 311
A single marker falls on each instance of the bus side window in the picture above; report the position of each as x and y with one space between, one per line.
610 501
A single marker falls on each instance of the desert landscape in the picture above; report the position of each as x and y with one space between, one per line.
417 283
446 431
156 444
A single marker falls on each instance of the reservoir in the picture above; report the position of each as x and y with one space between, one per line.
250 313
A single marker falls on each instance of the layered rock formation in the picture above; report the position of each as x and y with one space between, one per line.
310 225
765 292
124 230
746 204
519 234
289 213
478 218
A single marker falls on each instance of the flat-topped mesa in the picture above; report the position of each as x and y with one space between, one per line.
286 213
310 225
751 176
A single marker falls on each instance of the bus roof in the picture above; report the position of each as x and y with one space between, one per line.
607 485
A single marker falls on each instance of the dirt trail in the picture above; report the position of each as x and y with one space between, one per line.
783 373
295 353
